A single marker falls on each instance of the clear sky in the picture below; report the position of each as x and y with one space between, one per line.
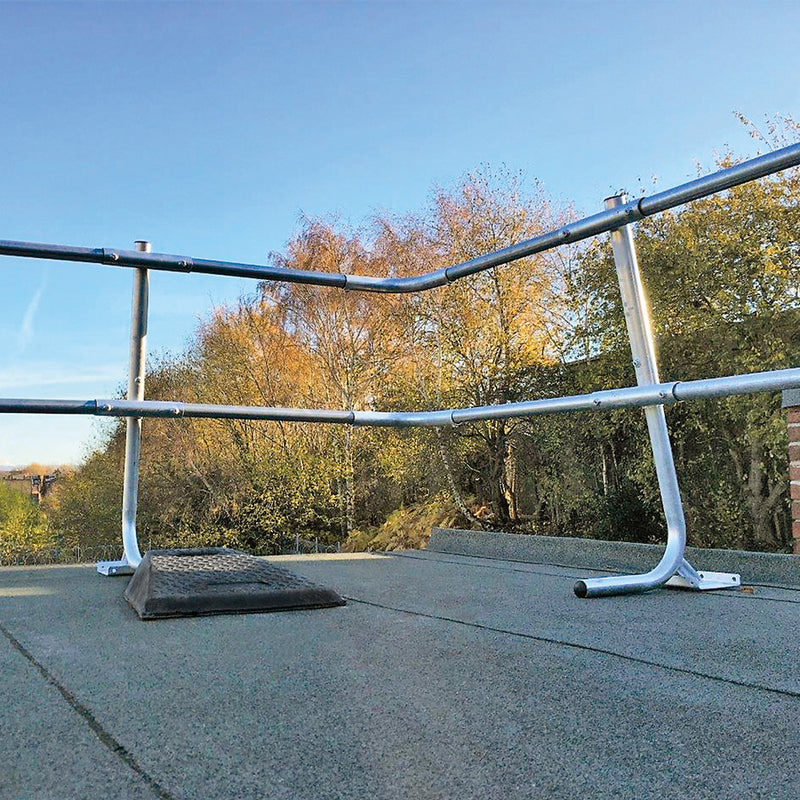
209 128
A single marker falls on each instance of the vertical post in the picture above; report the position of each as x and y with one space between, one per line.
637 319
133 437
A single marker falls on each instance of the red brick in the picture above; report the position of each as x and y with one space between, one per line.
794 473
794 434
794 414
794 450
796 547
796 509
796 530
794 491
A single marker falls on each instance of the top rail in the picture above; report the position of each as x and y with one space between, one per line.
585 228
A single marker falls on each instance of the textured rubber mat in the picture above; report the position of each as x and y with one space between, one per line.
213 580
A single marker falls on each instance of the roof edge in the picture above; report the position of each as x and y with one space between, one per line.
595 554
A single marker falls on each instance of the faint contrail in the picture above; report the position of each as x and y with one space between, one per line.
25 334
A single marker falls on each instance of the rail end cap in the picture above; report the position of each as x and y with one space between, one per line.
580 589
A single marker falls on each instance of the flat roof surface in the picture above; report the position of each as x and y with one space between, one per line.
445 676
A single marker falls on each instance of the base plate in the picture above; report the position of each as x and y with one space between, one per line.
707 580
113 568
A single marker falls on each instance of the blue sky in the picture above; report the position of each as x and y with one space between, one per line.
209 128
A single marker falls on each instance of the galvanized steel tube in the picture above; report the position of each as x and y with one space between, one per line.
15 405
605 400
640 333
608 220
727 178
133 434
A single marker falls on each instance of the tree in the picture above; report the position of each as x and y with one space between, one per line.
723 279
722 274
480 340
348 337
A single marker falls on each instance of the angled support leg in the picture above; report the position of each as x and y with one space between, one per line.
133 437
637 319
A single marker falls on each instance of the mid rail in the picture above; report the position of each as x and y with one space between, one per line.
606 400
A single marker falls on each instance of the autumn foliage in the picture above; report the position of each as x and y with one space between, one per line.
722 274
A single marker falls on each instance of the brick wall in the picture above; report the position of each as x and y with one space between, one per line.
794 473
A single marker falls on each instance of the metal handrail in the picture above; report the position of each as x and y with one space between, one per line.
585 228
650 392
644 396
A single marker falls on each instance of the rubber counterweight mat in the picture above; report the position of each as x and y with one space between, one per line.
214 580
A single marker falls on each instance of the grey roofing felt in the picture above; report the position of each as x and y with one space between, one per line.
445 676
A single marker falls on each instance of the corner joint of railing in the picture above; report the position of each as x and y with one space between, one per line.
109 256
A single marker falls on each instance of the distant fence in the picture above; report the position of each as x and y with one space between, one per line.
90 555
307 546
59 555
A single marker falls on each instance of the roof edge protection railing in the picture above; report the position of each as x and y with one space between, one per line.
672 569
608 220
